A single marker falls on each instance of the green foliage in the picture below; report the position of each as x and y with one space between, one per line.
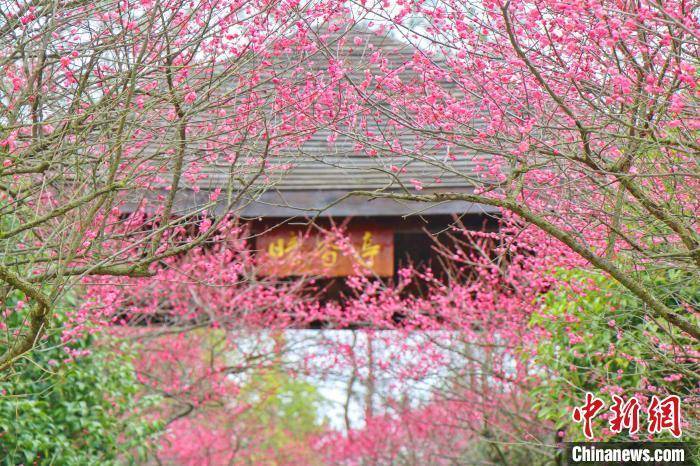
287 406
73 413
601 337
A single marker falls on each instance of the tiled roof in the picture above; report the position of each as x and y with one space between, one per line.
321 172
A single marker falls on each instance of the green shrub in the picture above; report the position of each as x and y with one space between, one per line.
81 412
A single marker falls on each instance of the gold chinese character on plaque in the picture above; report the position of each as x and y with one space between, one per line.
329 254
369 249
280 247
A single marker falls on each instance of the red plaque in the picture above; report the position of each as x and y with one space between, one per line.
288 251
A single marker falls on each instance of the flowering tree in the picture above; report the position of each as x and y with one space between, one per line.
580 118
109 114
